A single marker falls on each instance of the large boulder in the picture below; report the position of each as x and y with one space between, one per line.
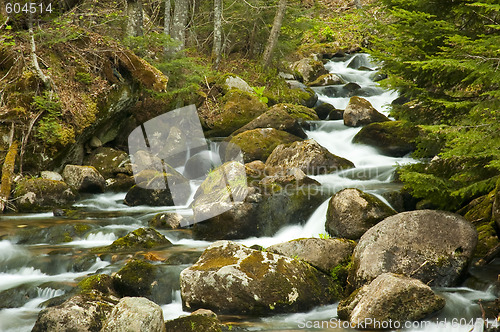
155 188
307 69
239 109
257 144
232 278
109 162
389 298
84 179
435 247
82 313
392 138
306 95
302 113
327 79
277 119
360 112
38 194
352 212
324 254
309 156
135 314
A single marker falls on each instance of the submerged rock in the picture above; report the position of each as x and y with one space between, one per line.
257 144
308 156
84 179
37 194
352 212
392 138
135 314
231 278
389 298
324 254
277 119
435 247
82 313
360 112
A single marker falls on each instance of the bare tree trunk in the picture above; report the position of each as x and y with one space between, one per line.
179 23
34 59
217 32
166 26
275 32
135 21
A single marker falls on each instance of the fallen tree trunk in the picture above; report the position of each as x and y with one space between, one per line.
7 175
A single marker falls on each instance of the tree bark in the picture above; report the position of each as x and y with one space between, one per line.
166 25
275 32
135 21
34 59
217 32
7 173
178 31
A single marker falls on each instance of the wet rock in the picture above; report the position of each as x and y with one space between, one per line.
110 162
38 194
58 233
358 61
231 278
141 238
257 144
18 296
135 314
82 313
199 165
308 96
350 89
275 118
143 160
154 189
327 79
239 109
51 176
291 176
120 183
435 247
307 69
167 221
200 320
236 82
140 278
392 138
327 111
302 113
390 297
324 254
308 156
352 212
360 112
84 179
335 115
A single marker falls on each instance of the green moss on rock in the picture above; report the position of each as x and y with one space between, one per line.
297 111
141 238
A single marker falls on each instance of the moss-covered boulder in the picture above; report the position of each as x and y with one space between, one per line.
392 138
31 195
302 94
435 247
232 278
360 112
109 162
82 312
84 179
389 298
135 314
328 79
153 188
168 220
102 283
351 212
307 69
324 254
141 278
231 81
257 144
299 112
200 320
239 108
141 238
308 156
54 234
277 119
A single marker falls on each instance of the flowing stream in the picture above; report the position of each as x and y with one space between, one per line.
33 270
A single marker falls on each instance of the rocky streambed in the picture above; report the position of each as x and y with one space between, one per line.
314 230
